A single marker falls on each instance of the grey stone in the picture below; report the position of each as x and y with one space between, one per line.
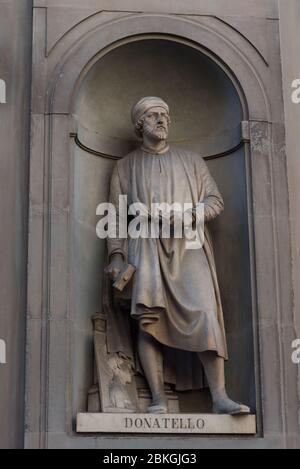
267 8
171 423
70 37
15 65
257 78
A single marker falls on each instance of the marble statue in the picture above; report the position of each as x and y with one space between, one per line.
173 298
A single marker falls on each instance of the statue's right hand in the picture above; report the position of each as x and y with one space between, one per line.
115 267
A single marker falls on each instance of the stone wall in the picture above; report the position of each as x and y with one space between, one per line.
58 24
15 67
290 47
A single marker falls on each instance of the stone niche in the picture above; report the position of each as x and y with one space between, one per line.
222 79
208 117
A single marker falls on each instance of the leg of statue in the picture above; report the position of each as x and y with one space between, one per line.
215 375
152 362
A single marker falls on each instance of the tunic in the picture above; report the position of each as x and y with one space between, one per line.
174 292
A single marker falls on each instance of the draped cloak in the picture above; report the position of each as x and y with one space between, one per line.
174 293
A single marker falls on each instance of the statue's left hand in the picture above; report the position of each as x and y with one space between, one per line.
115 267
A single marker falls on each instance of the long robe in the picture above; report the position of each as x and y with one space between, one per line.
174 293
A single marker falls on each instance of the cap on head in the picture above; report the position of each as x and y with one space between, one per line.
144 104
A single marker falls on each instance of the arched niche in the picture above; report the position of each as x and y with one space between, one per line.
58 334
207 114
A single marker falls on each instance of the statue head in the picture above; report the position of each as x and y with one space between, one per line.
151 116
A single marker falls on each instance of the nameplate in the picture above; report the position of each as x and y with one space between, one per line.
166 423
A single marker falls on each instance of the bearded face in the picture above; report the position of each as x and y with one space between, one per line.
156 124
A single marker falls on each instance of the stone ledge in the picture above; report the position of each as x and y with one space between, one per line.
166 423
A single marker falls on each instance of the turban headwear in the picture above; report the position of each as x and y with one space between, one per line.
144 105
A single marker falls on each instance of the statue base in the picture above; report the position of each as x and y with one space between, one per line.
166 423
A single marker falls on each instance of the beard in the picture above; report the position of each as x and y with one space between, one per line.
154 132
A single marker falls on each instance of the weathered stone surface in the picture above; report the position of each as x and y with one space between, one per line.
253 66
15 65
290 47
256 8
66 29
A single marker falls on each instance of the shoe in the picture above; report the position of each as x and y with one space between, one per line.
160 408
229 407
